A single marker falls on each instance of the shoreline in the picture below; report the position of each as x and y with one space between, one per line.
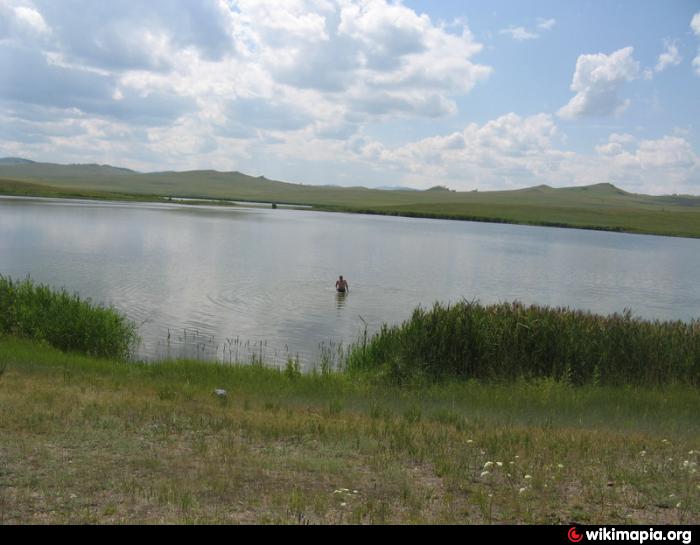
205 201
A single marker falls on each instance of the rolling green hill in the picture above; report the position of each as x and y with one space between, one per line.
599 206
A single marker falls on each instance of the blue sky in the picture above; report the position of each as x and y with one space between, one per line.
488 95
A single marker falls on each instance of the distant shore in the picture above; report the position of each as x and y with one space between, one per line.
685 222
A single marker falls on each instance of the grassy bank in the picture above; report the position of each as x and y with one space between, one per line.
106 440
98 441
63 320
678 222
510 341
16 188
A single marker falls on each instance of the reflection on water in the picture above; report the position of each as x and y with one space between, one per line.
340 299
243 284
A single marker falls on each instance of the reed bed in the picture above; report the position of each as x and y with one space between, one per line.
511 341
64 320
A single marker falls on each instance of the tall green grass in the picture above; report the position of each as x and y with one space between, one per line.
509 341
63 320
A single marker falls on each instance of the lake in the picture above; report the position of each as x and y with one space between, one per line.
233 283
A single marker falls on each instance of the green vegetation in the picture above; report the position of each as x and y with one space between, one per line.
26 189
105 440
600 206
511 341
99 441
63 320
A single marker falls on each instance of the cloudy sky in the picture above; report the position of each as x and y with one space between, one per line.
489 95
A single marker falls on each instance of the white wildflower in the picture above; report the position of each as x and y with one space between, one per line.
528 477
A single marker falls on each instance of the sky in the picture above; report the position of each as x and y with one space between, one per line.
472 95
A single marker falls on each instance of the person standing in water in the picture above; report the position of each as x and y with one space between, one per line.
341 285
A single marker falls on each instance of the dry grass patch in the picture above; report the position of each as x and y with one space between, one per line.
110 444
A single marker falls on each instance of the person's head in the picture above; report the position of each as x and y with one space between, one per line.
341 277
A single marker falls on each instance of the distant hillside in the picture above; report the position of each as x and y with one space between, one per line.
14 161
13 167
600 189
598 206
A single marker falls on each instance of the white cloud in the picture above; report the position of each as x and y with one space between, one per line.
514 151
277 88
378 58
384 29
369 58
32 18
666 152
695 23
359 61
546 24
236 79
520 33
21 22
695 26
270 22
597 81
670 57
509 151
616 144
658 166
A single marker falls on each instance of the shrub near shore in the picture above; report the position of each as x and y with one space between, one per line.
64 320
510 341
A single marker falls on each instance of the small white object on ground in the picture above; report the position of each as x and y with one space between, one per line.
220 393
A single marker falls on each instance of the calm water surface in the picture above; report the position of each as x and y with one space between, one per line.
228 283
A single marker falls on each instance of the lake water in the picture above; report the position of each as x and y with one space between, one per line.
227 283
